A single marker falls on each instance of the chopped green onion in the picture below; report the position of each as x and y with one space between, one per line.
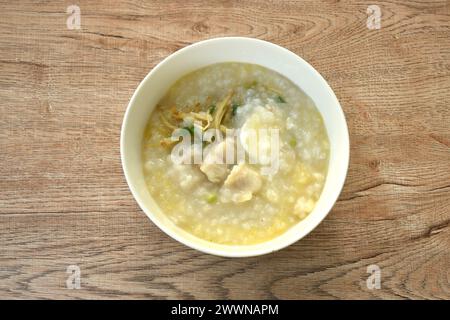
280 99
293 142
190 129
234 109
211 109
212 198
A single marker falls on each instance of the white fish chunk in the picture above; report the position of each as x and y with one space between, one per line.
260 138
241 184
214 165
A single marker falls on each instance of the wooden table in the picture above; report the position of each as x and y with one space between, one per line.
64 200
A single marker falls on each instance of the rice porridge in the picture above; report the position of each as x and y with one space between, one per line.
244 200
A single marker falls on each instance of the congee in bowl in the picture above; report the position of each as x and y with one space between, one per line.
235 154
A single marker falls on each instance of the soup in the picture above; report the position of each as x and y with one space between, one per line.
235 154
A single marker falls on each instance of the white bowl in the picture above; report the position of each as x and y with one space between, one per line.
237 49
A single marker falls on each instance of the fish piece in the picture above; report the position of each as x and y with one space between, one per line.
241 184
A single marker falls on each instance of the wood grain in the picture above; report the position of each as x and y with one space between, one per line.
64 200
